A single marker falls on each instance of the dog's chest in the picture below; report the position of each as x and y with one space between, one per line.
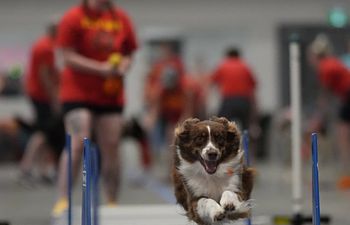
203 184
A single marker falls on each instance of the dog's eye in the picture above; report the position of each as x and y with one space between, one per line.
220 139
199 139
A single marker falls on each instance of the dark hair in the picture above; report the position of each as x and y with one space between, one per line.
110 7
233 52
51 29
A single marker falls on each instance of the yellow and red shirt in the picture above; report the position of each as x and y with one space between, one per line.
42 54
234 78
96 35
334 76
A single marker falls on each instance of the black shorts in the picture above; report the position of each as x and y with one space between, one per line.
236 109
95 109
344 112
43 114
51 125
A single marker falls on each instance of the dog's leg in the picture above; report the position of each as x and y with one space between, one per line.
247 182
210 211
234 206
230 201
180 190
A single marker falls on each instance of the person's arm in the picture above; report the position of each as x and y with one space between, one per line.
124 65
84 64
320 112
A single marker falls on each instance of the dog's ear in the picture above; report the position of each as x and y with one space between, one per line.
221 120
182 131
233 135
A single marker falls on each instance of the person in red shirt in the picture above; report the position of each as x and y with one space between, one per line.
237 86
41 86
96 40
335 80
169 98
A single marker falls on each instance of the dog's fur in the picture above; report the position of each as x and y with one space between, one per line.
210 181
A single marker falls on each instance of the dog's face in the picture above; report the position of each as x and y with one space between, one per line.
210 142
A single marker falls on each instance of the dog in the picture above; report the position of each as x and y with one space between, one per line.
210 180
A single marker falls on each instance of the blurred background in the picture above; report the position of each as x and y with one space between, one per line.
199 32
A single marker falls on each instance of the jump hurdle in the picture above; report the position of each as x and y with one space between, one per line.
90 186
295 92
87 172
69 183
316 216
165 214
95 184
247 158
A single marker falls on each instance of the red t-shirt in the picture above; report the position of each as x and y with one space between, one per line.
153 84
95 35
158 68
234 78
173 101
334 76
42 54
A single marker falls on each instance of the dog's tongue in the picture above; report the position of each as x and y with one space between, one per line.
210 166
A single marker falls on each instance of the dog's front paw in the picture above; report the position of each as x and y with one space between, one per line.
216 212
230 201
210 211
229 207
246 205
241 212
219 215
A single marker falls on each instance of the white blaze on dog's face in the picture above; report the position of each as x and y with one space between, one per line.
210 154
210 142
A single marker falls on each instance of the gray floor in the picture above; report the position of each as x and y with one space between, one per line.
272 193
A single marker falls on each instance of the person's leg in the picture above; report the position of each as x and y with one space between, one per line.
134 129
157 137
343 132
225 109
34 146
78 123
47 165
36 142
55 141
343 135
108 131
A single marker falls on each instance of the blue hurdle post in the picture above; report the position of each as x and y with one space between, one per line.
315 186
86 210
95 187
69 183
247 161
246 147
316 218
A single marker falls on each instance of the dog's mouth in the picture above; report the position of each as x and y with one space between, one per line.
209 165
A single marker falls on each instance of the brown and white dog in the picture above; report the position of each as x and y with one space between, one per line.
210 181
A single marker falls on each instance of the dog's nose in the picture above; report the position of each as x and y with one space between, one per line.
212 156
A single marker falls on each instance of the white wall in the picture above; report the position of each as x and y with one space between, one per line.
207 26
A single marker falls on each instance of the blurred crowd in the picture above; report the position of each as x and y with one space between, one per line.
95 42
